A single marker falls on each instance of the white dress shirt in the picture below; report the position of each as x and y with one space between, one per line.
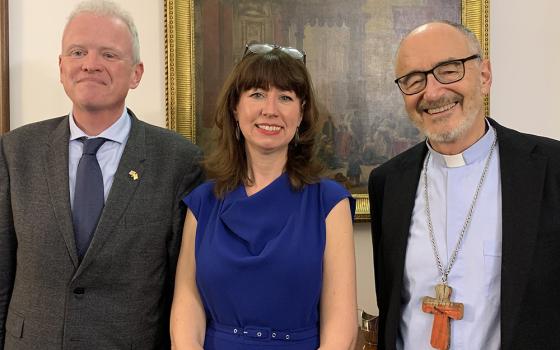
475 276
108 155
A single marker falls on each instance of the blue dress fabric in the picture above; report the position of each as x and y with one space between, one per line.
259 263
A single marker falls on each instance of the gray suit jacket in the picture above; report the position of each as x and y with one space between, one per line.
119 296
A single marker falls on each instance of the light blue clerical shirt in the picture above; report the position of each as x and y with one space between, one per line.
475 276
108 156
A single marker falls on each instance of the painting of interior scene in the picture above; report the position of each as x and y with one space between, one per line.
349 48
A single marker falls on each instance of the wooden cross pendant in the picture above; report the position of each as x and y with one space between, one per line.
444 310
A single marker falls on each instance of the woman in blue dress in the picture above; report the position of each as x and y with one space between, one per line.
267 258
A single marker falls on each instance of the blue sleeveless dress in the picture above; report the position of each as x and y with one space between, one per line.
259 263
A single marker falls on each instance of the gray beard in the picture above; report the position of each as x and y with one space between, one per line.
451 135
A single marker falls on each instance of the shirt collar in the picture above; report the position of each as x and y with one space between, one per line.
475 152
118 132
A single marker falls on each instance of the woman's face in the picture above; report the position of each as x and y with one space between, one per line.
268 119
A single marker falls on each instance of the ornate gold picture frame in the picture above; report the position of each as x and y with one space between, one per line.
181 63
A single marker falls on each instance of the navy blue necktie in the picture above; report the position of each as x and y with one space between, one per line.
88 195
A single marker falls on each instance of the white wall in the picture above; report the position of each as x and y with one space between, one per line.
524 47
364 268
525 55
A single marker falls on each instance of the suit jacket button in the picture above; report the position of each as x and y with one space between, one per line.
79 290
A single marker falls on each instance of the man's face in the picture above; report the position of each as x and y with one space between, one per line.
96 63
450 115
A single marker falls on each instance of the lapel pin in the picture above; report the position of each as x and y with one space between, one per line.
133 175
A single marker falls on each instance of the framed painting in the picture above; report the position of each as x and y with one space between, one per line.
4 69
350 47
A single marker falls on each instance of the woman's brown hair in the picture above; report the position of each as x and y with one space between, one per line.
227 164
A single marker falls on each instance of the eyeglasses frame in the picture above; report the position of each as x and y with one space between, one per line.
431 71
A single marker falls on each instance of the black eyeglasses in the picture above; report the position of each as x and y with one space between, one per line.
265 48
446 73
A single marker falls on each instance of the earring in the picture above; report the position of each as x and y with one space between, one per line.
296 137
237 132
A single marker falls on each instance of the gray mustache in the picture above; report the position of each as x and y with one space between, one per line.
423 104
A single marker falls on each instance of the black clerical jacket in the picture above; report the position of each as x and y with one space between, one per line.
530 275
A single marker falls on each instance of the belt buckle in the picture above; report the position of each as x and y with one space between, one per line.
257 332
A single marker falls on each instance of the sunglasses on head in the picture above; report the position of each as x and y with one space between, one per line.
266 48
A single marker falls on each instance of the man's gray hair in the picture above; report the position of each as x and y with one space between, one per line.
110 9
471 37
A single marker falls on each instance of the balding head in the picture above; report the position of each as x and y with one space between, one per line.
469 36
436 37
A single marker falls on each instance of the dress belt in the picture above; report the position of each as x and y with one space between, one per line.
265 333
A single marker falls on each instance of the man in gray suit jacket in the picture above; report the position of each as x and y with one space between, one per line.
114 291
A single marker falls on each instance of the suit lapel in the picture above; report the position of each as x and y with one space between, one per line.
522 176
57 179
402 184
397 213
122 189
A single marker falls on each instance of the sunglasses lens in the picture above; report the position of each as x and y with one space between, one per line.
295 53
260 48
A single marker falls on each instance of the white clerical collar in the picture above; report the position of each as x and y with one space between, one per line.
476 151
